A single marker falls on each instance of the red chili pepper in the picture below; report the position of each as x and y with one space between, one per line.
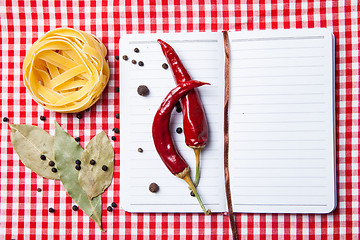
162 138
194 119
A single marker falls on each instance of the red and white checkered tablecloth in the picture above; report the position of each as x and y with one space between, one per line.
24 211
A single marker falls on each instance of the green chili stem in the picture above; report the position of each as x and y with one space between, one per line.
187 179
197 175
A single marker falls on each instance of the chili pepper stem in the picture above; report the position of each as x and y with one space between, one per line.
188 180
197 152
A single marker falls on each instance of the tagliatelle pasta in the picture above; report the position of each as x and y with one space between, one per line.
66 70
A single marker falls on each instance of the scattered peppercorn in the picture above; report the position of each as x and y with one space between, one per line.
141 63
75 208
179 130
87 110
117 89
79 116
143 90
77 139
153 188
125 57
178 107
104 168
133 61
117 116
5 119
136 50
114 205
42 118
165 66
51 210
109 208
140 150
77 162
54 170
51 163
192 194
43 157
92 162
116 130
39 189
117 57
113 138
78 167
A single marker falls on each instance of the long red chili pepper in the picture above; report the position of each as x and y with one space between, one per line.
194 119
162 138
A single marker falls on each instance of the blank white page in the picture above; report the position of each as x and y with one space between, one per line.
281 121
202 55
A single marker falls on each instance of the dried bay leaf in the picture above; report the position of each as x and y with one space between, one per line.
30 142
67 151
92 178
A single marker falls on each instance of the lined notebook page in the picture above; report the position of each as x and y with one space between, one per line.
281 121
202 55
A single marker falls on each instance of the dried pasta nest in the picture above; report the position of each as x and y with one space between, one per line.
66 70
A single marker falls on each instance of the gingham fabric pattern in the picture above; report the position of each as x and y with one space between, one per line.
24 211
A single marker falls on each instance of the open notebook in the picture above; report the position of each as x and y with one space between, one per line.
281 122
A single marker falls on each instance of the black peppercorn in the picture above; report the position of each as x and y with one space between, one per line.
77 139
51 163
153 187
5 119
141 63
87 110
117 116
42 118
79 116
192 194
179 130
117 89
75 208
143 90
117 57
104 168
43 157
125 57
113 138
133 61
116 130
114 205
165 66
39 189
51 210
54 170
78 167
92 162
109 208
178 107
136 50
140 150
77 162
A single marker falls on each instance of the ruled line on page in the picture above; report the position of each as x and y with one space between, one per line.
280 168
174 41
280 204
260 122
281 177
277 140
277 66
279 57
174 204
279 195
274 103
279 85
276 38
277 48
